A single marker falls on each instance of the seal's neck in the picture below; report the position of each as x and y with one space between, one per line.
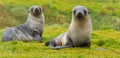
35 22
35 19
38 18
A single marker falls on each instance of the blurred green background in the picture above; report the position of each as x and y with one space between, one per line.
104 13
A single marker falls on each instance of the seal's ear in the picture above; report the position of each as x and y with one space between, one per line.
31 9
85 12
89 12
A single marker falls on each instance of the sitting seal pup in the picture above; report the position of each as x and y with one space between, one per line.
32 29
79 32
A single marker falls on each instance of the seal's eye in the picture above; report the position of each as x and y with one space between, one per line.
85 12
31 9
74 12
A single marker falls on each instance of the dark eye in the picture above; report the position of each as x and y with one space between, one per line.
31 9
85 12
74 12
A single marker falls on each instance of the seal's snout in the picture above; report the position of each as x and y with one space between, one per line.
79 15
36 10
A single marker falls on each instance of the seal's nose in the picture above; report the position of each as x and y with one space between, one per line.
36 10
79 14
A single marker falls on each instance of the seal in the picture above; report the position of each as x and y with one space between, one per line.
32 29
79 32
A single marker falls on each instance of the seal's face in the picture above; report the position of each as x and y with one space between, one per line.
79 12
35 10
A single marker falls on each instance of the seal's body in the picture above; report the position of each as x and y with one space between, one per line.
32 29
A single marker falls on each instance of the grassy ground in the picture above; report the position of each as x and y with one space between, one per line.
104 44
105 41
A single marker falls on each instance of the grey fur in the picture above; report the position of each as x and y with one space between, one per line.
79 32
32 29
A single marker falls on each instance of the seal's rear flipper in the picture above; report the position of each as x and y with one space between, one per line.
7 35
59 47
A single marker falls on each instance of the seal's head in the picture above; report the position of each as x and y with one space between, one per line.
35 10
80 12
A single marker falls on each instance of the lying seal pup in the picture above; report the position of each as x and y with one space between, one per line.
79 32
32 29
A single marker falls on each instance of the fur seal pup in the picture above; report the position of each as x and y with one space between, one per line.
79 32
32 29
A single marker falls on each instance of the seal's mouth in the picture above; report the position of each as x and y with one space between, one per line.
36 11
80 15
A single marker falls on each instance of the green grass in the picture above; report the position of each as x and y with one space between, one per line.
107 39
